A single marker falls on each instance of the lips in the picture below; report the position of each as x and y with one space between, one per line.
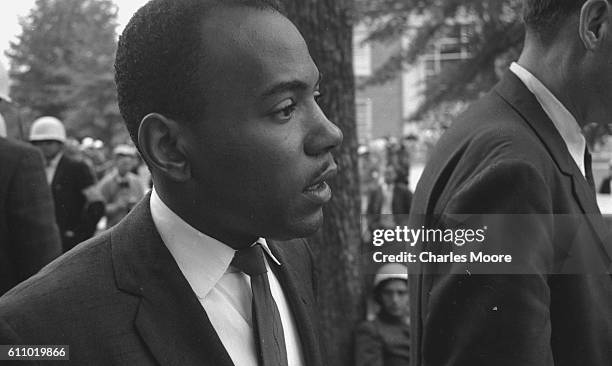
318 190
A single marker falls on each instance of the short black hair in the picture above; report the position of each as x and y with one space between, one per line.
544 16
159 58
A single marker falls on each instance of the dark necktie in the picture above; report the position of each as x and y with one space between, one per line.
268 328
588 169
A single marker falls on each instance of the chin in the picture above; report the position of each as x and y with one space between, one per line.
302 227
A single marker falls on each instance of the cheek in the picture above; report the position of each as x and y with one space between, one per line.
274 161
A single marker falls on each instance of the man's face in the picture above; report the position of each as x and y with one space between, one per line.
124 164
261 152
394 297
49 148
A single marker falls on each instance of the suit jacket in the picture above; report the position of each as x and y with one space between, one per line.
504 157
120 299
29 238
70 179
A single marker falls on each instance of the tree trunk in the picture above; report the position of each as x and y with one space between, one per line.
327 27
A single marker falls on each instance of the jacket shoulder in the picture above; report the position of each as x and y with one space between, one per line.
63 286
11 150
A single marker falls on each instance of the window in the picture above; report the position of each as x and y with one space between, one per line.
363 116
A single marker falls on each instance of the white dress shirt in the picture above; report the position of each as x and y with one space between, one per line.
224 292
51 167
563 120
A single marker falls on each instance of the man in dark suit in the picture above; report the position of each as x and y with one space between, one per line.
515 165
29 238
219 97
70 180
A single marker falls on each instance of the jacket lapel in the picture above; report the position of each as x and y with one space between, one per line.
170 319
300 299
59 170
513 91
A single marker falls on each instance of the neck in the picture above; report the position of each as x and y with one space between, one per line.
556 69
206 221
392 319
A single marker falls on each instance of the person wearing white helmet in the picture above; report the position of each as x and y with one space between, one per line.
120 188
70 181
385 341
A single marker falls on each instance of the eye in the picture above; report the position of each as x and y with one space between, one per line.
285 110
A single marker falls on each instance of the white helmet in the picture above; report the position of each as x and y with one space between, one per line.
48 128
391 271
4 84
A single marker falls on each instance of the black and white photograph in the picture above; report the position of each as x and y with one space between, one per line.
306 182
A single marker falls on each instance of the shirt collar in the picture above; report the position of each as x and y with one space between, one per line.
55 160
203 260
564 121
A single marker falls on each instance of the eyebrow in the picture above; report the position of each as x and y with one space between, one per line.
288 86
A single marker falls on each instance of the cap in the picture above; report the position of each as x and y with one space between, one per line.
48 128
391 271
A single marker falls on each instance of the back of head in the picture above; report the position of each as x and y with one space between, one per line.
159 63
544 17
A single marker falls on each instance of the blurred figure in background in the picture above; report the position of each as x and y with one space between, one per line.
77 206
389 199
605 188
120 188
385 340
29 238
2 126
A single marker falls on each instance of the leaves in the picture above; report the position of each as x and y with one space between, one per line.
491 31
62 65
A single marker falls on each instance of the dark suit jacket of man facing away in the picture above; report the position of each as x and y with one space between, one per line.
29 238
504 156
71 206
145 311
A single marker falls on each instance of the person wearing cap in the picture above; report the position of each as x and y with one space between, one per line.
120 188
29 238
385 341
71 181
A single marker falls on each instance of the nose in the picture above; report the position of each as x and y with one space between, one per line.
323 135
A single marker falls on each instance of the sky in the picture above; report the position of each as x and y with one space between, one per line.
12 10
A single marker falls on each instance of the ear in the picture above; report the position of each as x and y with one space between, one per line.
161 142
594 23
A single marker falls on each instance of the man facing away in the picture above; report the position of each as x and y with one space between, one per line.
518 153
29 238
219 97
